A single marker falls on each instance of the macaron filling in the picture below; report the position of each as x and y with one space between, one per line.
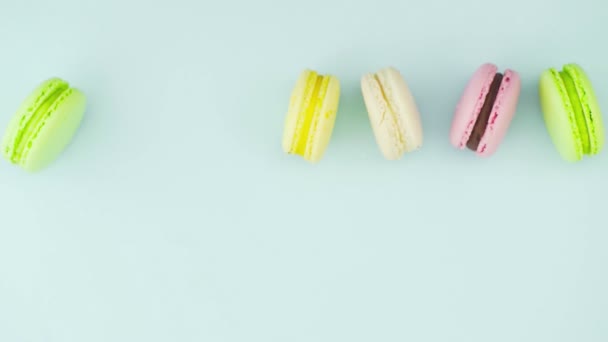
577 106
28 131
313 105
481 125
400 140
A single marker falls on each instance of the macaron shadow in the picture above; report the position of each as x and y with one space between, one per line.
353 136
527 136
88 141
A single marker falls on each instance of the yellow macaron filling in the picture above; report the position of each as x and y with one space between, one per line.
316 90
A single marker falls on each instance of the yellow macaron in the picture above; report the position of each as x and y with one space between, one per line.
311 116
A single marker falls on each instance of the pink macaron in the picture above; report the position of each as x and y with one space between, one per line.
485 110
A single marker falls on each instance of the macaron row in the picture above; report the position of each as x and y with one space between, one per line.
481 118
48 118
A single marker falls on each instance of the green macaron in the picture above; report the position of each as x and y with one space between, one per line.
571 112
44 125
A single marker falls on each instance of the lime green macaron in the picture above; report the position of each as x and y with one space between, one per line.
571 112
44 125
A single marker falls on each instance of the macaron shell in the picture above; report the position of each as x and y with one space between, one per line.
55 132
502 113
559 116
470 104
323 124
27 108
386 131
591 108
297 98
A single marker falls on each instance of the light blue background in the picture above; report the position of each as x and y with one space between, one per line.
175 216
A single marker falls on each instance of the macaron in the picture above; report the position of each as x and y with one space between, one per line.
392 112
485 110
311 115
44 125
571 112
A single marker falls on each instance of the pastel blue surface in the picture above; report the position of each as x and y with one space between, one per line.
175 216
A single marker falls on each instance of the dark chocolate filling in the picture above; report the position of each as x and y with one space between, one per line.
484 116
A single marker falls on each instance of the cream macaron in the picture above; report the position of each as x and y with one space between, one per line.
393 113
